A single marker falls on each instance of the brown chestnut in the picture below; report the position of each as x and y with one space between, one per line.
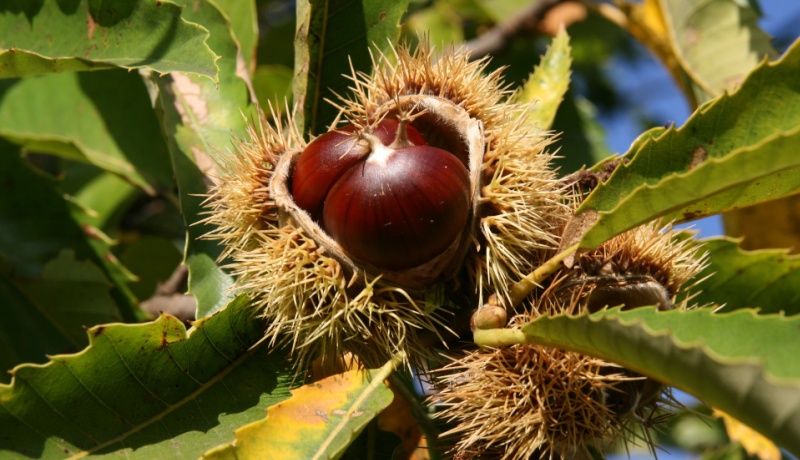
399 208
328 156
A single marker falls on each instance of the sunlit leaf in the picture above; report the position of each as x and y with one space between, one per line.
332 36
145 391
753 443
764 279
317 422
548 83
52 36
201 120
717 42
741 362
100 117
708 46
244 26
735 151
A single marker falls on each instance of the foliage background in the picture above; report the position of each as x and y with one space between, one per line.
98 216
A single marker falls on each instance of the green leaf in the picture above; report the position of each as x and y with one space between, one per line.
53 36
72 294
734 151
332 36
21 322
35 221
318 422
441 23
502 10
100 117
735 278
152 259
741 362
145 391
716 42
549 83
273 84
36 224
244 26
104 197
200 120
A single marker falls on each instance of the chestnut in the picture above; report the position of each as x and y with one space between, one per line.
400 207
328 156
385 197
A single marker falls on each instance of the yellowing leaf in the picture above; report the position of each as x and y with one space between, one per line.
398 418
646 22
708 46
753 442
548 83
318 422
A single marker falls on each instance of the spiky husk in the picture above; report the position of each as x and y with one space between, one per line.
527 400
302 292
649 257
524 401
524 205
305 292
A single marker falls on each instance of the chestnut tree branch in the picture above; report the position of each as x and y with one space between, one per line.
496 39
170 297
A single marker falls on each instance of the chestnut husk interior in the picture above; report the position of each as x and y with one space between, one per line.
444 125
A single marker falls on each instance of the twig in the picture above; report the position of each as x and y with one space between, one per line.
497 38
170 297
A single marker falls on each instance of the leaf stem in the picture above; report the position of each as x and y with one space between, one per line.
531 281
498 338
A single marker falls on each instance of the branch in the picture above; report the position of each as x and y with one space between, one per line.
497 38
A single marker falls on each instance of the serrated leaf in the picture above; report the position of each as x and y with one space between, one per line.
201 120
244 27
332 36
735 151
72 294
36 224
549 82
48 36
317 422
100 117
736 278
741 362
708 46
717 42
145 391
